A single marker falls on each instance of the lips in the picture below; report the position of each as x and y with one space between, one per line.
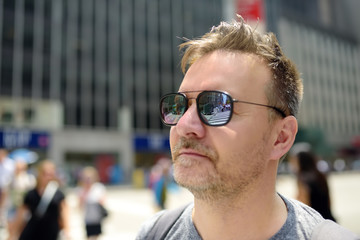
189 150
191 153
190 157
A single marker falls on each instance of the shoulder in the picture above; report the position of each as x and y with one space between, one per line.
98 188
31 197
177 225
32 194
148 225
302 211
329 230
301 221
59 195
304 222
97 191
7 168
9 164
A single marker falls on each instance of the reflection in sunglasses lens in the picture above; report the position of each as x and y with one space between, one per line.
172 108
215 108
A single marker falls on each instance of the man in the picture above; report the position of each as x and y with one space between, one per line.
232 120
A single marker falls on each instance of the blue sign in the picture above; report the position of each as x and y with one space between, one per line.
23 138
151 143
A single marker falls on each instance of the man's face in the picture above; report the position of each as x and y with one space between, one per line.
224 161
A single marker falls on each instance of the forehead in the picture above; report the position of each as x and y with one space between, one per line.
237 73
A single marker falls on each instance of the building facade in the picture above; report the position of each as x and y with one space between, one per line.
80 80
322 37
89 73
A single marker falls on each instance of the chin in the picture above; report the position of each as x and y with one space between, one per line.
194 177
202 189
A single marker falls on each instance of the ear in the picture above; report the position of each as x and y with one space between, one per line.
286 130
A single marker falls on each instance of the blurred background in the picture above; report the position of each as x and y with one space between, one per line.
80 82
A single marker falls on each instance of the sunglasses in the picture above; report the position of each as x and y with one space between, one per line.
214 108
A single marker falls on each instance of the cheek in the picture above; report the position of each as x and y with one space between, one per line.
228 142
173 138
237 146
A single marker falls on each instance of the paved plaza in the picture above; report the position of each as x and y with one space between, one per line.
130 207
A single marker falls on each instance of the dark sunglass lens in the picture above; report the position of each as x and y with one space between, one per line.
215 108
172 108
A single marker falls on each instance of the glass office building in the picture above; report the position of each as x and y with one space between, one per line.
322 37
89 73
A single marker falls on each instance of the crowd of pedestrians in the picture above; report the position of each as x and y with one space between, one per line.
33 206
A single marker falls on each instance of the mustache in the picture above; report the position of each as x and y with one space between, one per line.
185 143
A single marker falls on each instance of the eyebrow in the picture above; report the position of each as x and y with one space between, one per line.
195 91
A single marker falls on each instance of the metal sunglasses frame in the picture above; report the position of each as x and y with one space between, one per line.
232 101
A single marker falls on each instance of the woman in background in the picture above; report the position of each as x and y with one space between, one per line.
47 218
312 184
92 198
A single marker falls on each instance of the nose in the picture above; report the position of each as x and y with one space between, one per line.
190 124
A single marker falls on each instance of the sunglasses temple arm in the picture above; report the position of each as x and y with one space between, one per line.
282 113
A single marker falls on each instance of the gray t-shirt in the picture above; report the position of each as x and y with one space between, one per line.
300 223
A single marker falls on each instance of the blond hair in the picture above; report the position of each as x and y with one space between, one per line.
44 166
90 173
286 88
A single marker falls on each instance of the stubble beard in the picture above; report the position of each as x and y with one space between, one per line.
217 183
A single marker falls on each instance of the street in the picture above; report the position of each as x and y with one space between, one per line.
130 207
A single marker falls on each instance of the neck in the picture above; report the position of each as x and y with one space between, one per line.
242 217
41 187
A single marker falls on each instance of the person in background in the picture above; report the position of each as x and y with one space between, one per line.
47 207
312 184
160 178
20 185
92 196
7 168
232 120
